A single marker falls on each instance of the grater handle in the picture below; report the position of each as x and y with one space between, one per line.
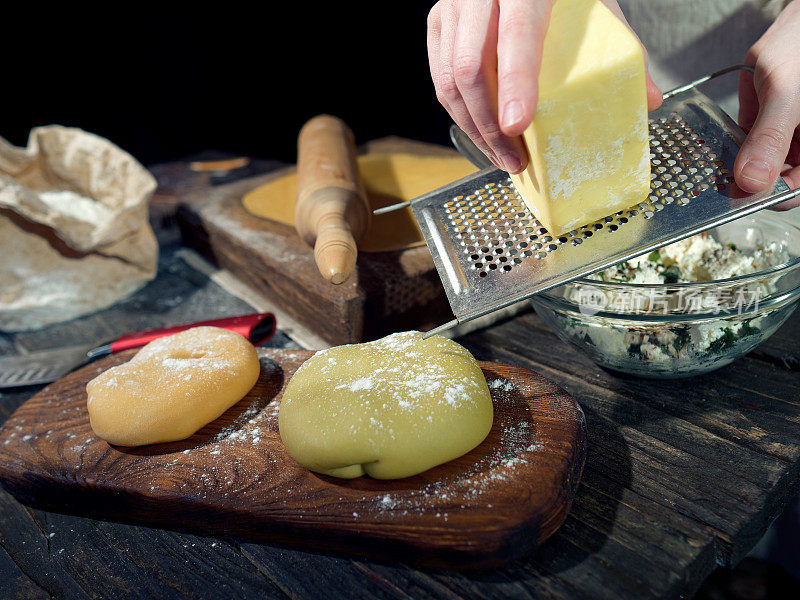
440 329
704 78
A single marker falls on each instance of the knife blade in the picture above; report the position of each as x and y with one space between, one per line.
45 366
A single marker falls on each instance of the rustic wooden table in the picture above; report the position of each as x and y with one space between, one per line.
680 476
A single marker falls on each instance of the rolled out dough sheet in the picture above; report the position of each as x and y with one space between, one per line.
388 179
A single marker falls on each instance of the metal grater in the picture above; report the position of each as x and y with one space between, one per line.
491 252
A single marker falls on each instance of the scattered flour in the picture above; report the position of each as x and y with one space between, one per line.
501 384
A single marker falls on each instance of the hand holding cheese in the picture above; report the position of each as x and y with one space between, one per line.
485 58
588 142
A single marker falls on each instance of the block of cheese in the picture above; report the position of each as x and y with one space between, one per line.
588 143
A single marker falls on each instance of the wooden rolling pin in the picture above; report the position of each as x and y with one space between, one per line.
332 211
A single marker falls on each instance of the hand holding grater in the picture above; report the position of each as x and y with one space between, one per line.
490 251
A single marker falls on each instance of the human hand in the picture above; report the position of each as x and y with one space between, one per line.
769 108
484 58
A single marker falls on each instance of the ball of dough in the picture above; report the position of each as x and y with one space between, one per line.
172 387
390 408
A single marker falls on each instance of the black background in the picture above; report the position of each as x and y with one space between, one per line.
230 77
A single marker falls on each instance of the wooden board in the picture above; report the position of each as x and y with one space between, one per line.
390 291
233 477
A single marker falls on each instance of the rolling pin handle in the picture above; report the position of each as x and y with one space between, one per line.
335 249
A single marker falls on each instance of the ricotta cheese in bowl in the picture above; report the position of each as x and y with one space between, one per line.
687 308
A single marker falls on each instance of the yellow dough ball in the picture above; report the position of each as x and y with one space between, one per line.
172 387
390 408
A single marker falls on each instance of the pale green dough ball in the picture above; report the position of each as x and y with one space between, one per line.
390 408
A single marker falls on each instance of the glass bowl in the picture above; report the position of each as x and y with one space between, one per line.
681 329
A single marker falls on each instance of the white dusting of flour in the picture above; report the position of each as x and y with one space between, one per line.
501 384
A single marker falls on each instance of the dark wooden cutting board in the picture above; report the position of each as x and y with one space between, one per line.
390 291
234 477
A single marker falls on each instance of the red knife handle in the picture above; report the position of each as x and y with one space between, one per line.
256 328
